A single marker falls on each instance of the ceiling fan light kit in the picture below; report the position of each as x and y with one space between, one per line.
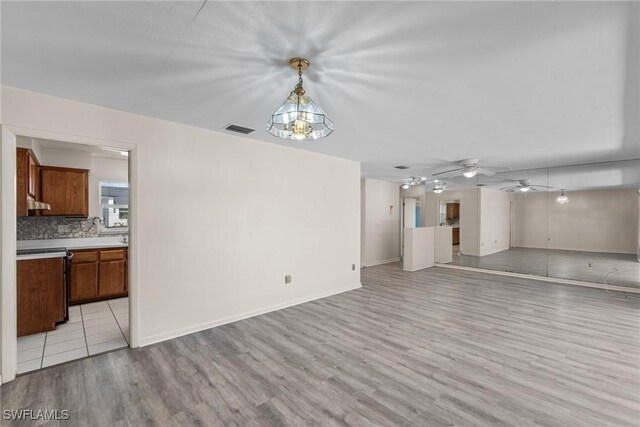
562 198
299 118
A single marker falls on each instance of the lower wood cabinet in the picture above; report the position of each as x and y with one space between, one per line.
83 281
97 274
40 294
111 280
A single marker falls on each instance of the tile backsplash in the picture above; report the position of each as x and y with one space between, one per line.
42 227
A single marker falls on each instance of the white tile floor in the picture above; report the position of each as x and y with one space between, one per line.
92 328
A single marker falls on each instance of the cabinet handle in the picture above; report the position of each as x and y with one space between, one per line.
70 256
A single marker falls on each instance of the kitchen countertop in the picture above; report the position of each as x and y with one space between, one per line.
70 244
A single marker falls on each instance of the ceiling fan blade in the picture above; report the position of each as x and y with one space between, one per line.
507 188
486 172
498 168
452 170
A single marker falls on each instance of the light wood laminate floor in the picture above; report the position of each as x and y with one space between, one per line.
430 348
622 269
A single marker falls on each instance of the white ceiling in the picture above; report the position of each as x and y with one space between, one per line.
520 84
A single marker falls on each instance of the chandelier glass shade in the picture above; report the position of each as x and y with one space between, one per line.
299 117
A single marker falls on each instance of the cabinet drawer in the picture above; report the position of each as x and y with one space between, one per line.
112 255
90 256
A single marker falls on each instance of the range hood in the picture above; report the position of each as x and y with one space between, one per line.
32 205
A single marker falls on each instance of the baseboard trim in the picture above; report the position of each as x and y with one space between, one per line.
386 261
153 339
542 279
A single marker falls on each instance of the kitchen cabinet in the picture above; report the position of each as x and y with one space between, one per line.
27 177
40 295
455 238
98 274
83 281
453 211
66 190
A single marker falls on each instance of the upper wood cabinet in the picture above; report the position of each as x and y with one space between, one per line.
66 190
453 211
27 180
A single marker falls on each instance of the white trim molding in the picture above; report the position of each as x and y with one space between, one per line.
386 261
186 331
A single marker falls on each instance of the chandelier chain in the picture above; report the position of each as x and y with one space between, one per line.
299 90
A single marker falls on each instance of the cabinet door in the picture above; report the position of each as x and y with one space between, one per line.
83 281
456 236
112 278
66 190
22 174
32 180
40 295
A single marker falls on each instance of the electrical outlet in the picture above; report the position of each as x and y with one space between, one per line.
287 278
353 267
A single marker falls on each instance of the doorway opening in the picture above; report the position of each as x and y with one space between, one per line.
449 216
72 262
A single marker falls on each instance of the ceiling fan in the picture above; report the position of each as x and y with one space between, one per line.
469 168
416 180
440 187
524 185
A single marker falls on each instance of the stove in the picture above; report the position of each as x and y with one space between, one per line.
40 251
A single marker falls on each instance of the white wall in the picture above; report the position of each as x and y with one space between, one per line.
221 219
65 158
594 221
495 212
381 224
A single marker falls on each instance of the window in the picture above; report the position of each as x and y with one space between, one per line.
114 205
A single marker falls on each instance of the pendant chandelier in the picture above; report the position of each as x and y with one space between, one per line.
299 117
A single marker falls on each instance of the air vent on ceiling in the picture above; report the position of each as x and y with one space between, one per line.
401 167
239 129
